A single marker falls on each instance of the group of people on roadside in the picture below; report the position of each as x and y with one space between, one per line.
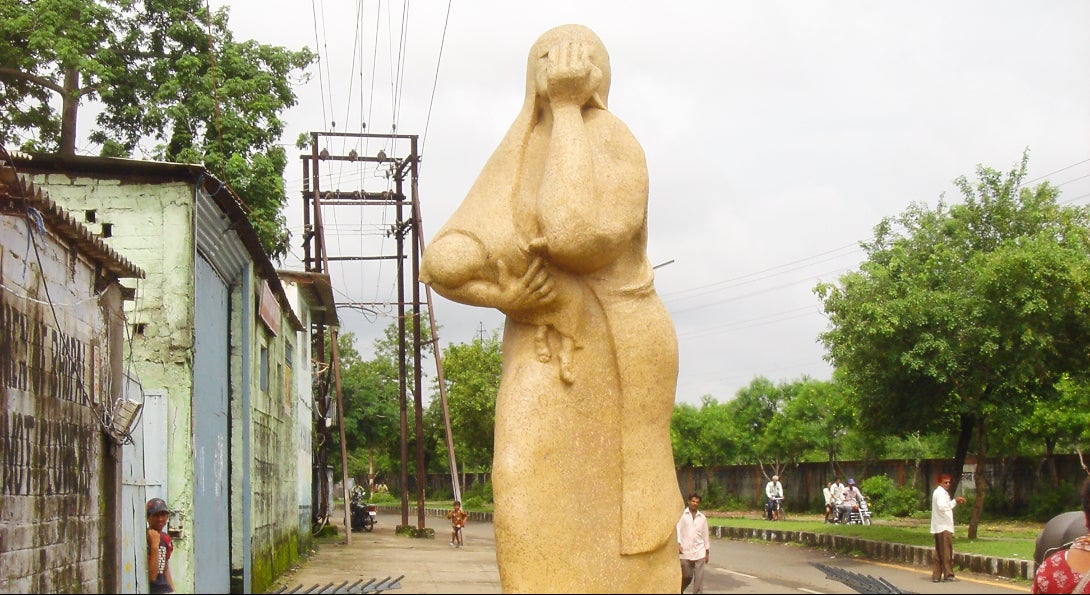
841 500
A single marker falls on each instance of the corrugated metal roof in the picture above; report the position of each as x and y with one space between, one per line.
18 194
143 171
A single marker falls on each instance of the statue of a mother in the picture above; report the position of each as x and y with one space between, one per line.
553 233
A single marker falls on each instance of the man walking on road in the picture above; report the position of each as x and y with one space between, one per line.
693 545
942 527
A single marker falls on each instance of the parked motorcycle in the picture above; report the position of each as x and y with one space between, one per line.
860 514
363 515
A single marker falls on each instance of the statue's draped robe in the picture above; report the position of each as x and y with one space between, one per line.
586 496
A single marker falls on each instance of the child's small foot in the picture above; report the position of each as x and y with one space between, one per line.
541 344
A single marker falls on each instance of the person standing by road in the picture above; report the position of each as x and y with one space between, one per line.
159 548
693 544
774 492
457 518
942 527
829 502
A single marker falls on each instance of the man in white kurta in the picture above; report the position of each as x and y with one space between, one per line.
693 545
942 527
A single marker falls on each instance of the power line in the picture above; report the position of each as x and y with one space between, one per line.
762 274
435 83
1058 171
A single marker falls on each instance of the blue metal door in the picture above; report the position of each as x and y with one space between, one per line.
211 537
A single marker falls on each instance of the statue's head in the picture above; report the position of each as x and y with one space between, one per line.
568 34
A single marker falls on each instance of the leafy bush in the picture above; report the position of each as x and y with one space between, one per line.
1045 504
713 498
889 500
473 502
384 498
963 513
878 489
443 493
903 502
481 491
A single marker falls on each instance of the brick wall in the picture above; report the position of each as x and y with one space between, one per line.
56 516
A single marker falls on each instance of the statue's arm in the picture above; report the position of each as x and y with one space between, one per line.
593 195
512 293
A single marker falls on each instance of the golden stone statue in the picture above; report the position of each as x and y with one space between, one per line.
553 233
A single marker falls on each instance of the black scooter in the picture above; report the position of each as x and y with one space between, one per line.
363 515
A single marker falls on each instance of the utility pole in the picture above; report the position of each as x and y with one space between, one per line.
398 167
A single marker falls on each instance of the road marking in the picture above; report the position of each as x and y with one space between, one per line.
811 591
725 571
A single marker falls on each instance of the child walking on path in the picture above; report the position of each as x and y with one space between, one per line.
457 521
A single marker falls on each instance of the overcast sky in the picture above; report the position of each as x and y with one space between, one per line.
777 135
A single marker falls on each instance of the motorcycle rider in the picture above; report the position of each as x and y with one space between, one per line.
360 515
774 492
849 500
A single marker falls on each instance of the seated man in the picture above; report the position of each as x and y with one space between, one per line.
849 500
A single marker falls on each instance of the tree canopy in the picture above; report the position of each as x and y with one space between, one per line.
965 315
164 71
472 374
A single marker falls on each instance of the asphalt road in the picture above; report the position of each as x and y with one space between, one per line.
432 566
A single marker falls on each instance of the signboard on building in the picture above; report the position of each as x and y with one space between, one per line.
269 309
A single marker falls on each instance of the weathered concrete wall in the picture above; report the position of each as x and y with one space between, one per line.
274 473
1013 478
304 421
151 224
57 528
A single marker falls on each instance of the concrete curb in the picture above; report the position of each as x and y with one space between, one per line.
883 551
899 553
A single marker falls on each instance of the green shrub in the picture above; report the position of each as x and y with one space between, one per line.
443 493
481 491
384 498
1042 505
878 489
713 498
903 502
473 502
963 513
886 499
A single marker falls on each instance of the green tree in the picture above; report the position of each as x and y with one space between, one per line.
964 315
753 409
164 70
388 353
472 374
1062 423
685 426
816 418
371 414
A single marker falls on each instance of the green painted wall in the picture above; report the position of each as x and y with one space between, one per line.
151 224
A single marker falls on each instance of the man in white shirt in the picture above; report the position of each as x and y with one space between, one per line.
849 500
774 491
829 502
942 527
693 544
837 488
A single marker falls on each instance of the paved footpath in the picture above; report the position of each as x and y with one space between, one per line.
428 565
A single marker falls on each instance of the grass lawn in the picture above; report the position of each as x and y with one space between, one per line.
1003 539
